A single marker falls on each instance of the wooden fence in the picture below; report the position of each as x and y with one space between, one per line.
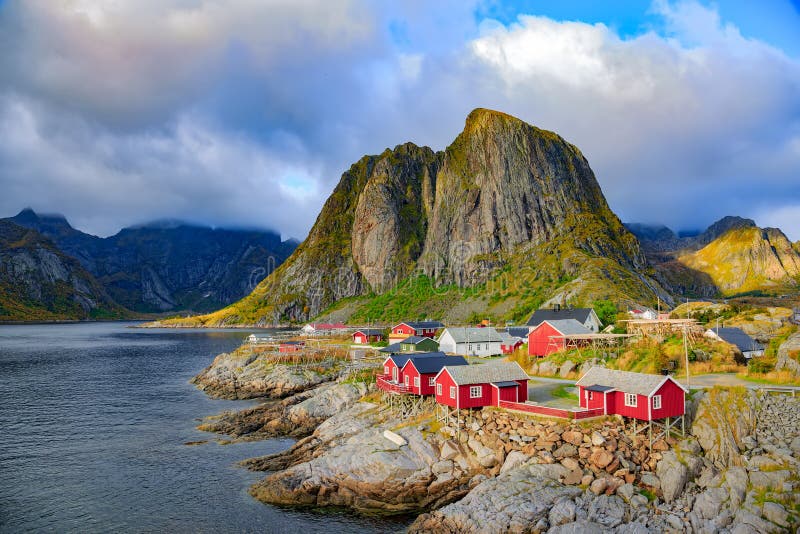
550 411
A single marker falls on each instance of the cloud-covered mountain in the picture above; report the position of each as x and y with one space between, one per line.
168 265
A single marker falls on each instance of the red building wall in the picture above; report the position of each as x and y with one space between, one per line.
405 330
539 343
596 400
446 381
672 401
391 366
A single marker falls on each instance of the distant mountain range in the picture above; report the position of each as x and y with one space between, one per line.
732 257
159 267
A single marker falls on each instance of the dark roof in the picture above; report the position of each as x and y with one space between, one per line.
293 342
416 340
401 359
568 327
432 363
519 331
370 331
737 336
549 314
394 347
419 325
506 384
601 389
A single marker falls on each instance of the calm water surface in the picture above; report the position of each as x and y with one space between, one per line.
93 421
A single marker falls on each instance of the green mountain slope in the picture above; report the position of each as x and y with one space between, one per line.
505 218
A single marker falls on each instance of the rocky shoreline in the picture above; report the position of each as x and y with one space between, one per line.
507 472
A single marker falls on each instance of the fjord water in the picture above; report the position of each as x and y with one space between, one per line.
94 419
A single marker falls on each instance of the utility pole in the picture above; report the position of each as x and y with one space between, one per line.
686 355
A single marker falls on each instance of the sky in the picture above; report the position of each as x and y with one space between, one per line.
245 113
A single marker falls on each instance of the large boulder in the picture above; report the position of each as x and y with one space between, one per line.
724 417
672 474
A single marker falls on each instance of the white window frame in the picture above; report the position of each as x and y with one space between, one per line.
591 395
394 374
406 380
656 402
416 381
475 392
431 381
452 392
631 400
438 389
386 370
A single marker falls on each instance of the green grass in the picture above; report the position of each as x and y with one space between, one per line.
565 391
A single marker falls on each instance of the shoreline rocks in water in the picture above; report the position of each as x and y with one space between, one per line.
246 374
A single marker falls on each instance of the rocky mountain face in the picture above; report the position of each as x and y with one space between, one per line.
732 256
168 266
503 193
39 282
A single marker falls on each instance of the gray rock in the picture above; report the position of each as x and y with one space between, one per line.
775 513
443 466
597 439
708 504
649 479
672 474
768 479
608 511
736 483
565 451
449 450
562 512
639 501
566 368
625 491
514 459
598 486
579 527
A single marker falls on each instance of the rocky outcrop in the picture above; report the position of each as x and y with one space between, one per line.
295 416
500 194
789 355
247 374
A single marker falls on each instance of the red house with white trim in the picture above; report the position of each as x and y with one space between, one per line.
476 386
366 336
548 336
638 395
393 365
415 328
291 346
419 374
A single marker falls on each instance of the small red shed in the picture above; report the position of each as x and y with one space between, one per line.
638 395
367 335
291 346
475 386
548 336
416 328
419 373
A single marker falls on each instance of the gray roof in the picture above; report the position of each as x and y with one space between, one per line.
482 373
737 336
625 381
394 347
430 365
508 339
549 314
507 384
471 334
370 331
569 327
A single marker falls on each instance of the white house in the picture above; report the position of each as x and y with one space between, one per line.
260 338
737 337
471 341
643 313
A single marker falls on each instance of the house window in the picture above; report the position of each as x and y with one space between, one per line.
438 389
475 392
452 392
416 381
431 381
630 400
657 402
386 369
406 380
590 395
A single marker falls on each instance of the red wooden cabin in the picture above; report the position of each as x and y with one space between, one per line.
367 335
416 328
548 337
475 386
291 346
638 395
393 365
510 344
419 374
